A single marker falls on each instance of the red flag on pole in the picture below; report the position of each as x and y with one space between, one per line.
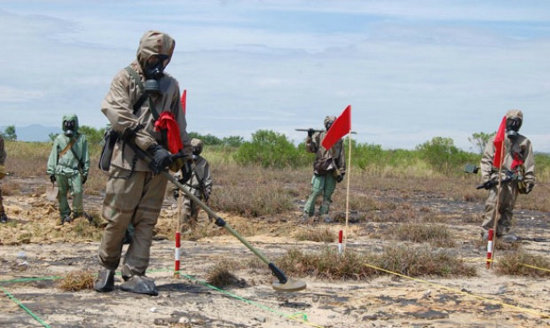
499 139
339 128
183 100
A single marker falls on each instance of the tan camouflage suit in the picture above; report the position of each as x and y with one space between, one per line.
324 182
200 185
137 199
3 155
521 146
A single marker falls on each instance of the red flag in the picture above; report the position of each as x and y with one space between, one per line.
183 100
499 139
339 128
167 122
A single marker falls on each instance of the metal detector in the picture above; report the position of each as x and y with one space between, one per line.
284 284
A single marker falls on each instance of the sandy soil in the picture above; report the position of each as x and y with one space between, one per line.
31 297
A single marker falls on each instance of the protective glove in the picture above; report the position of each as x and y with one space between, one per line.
52 178
161 158
340 177
529 187
84 179
310 132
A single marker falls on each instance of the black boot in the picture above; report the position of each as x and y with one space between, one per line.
3 218
105 281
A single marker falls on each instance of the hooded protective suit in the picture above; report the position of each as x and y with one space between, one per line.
200 185
137 199
69 163
329 168
516 148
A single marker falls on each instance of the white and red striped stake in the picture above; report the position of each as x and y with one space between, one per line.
340 235
177 256
490 248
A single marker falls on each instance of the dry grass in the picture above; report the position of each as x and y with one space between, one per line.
220 275
77 280
324 235
410 261
520 263
435 234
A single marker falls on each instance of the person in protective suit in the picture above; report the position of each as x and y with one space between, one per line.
139 96
200 185
69 165
3 155
329 168
517 177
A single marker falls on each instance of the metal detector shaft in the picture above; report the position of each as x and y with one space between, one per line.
219 221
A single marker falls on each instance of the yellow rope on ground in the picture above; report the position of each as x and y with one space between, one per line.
534 312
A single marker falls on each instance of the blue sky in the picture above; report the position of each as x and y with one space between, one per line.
411 70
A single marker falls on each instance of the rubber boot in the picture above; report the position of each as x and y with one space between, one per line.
105 281
140 285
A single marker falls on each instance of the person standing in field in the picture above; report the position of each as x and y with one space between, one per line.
69 165
329 168
3 156
141 98
517 177
199 184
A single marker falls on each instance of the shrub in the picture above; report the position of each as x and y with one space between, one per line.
268 149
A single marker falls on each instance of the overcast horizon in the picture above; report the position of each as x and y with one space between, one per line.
411 70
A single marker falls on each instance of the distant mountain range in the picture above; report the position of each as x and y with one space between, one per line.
34 132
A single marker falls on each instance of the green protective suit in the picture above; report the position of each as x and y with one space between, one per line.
70 165
2 162
324 183
133 193
521 147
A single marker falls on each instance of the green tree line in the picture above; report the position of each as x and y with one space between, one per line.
272 149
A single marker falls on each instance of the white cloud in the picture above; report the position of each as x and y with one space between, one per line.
411 70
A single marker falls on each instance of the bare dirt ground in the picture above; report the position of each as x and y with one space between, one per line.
31 297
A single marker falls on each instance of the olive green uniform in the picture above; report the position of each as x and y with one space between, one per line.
324 182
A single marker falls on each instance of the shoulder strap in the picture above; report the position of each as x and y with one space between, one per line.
80 164
69 146
144 95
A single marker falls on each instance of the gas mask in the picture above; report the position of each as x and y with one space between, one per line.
512 127
68 127
154 71
328 121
